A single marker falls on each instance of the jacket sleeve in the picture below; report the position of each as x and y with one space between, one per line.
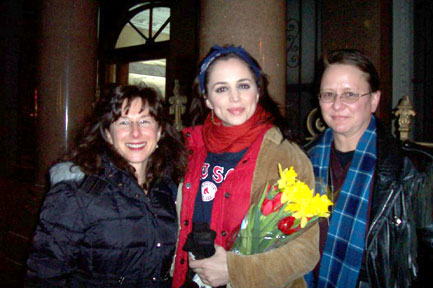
286 265
55 243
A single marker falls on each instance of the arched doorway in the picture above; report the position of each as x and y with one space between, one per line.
136 50
151 42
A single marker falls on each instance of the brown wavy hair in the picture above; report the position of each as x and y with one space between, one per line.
169 158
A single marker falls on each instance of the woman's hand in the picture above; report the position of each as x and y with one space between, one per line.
213 271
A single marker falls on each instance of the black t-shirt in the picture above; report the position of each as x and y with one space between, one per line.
215 169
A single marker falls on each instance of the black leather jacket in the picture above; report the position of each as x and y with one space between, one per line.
103 231
401 205
401 216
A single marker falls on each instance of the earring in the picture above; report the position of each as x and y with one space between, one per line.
156 147
212 118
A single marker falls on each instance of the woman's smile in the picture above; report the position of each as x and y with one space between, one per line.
236 111
135 146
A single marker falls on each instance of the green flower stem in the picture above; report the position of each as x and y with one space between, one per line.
248 231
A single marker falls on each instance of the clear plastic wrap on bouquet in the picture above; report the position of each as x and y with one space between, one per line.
247 244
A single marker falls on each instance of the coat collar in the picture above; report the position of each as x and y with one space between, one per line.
388 166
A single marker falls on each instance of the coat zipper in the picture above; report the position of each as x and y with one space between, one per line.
373 223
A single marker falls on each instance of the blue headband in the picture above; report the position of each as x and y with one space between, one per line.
218 51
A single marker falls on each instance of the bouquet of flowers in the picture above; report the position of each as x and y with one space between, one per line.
285 210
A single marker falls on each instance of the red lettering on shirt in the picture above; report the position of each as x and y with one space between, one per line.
218 172
228 172
205 170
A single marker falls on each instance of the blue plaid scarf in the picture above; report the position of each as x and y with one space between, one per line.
344 247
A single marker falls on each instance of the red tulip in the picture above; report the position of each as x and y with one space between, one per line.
285 225
270 206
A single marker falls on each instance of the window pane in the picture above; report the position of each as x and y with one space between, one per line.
160 16
130 37
151 73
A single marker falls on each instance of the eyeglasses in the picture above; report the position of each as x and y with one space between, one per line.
126 124
346 97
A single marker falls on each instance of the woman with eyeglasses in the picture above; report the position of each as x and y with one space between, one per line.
109 218
370 240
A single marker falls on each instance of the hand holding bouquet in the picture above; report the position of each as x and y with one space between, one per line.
285 210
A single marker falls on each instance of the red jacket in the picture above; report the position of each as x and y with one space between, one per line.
280 267
227 212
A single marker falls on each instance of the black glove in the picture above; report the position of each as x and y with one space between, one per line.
200 241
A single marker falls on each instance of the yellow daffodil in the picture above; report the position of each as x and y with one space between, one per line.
302 207
320 204
299 190
287 178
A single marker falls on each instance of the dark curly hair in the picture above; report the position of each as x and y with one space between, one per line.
199 110
170 157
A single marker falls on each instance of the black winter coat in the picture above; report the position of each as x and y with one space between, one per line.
103 231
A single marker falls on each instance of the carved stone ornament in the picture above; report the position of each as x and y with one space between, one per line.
404 112
315 124
177 106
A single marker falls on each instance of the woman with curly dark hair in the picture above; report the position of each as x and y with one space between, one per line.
109 217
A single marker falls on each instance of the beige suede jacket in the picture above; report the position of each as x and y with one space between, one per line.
284 266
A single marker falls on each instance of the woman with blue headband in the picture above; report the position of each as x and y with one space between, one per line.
230 158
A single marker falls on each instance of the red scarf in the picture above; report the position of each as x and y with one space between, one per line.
219 138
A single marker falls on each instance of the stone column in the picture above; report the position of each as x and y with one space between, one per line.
257 25
67 80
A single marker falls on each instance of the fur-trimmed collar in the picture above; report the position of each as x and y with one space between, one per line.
65 171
